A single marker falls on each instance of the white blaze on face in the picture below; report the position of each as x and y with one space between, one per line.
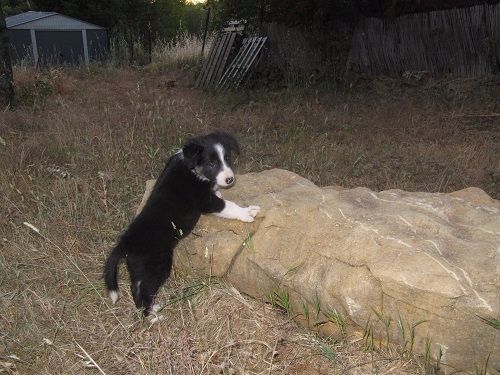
226 174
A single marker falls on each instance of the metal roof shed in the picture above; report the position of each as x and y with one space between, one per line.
51 38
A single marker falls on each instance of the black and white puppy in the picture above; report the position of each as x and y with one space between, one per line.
187 187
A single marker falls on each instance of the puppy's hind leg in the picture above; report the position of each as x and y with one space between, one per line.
147 276
147 293
144 292
139 282
158 272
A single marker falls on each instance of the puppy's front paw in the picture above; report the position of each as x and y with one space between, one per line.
249 213
253 210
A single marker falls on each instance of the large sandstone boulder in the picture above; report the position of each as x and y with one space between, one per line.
369 256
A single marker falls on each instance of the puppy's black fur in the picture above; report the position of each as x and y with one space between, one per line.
185 190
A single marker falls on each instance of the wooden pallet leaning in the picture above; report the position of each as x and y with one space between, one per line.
241 64
216 61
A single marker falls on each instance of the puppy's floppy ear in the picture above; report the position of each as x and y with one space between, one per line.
192 151
229 142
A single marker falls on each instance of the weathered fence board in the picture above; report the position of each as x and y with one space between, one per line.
240 66
217 60
227 51
464 42
207 63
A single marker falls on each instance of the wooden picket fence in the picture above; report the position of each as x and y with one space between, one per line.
462 42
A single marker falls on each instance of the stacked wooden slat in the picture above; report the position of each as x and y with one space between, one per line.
240 66
464 42
218 57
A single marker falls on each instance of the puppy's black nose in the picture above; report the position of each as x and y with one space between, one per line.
229 180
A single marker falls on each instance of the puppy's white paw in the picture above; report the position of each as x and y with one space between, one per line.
218 193
246 218
157 318
253 210
249 213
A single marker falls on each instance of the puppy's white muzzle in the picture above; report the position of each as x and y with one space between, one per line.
225 179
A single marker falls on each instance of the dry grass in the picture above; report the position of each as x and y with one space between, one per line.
124 124
183 51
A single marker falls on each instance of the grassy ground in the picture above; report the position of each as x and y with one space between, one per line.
76 153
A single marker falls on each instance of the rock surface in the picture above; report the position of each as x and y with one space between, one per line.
404 256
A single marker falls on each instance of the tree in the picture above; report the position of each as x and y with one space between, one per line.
319 14
11 7
7 97
135 23
167 18
193 18
103 13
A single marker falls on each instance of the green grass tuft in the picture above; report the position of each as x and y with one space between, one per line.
281 299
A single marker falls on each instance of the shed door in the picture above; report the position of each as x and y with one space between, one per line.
20 45
60 47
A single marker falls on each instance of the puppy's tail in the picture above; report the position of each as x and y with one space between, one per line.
111 271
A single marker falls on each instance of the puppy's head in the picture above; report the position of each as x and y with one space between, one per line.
209 158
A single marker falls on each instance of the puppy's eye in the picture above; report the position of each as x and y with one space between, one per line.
211 164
